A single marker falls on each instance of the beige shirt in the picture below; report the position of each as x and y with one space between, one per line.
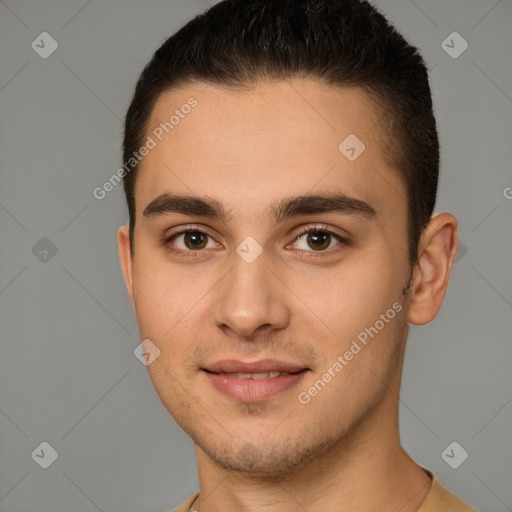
438 500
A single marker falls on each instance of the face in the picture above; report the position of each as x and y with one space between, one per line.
275 291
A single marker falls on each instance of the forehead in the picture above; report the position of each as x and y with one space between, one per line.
251 147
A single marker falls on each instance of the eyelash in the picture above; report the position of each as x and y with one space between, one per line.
305 231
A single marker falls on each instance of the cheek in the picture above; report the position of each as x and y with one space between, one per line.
363 307
168 385
359 364
164 295
169 301
352 298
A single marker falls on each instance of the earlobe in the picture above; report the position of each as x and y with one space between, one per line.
125 258
436 253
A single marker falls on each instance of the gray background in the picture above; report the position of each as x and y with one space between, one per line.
68 375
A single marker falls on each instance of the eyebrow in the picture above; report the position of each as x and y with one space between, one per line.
282 209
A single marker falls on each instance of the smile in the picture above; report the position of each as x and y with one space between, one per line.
256 376
253 382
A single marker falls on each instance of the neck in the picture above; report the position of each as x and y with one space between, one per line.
367 470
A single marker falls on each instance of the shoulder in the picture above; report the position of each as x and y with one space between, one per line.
185 506
440 499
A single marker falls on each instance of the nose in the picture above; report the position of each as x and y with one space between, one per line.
251 299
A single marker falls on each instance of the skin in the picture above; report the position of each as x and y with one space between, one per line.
341 451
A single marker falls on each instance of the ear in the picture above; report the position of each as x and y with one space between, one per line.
125 258
437 249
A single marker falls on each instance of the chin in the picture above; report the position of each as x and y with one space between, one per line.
262 459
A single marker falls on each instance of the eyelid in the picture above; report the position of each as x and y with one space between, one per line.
188 227
343 240
323 228
183 231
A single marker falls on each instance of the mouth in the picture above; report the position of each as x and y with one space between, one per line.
256 381
255 376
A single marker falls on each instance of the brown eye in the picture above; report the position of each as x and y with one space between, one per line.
318 240
194 240
188 242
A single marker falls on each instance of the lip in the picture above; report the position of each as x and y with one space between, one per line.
222 376
261 366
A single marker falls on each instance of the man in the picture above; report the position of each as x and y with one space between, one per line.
281 172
